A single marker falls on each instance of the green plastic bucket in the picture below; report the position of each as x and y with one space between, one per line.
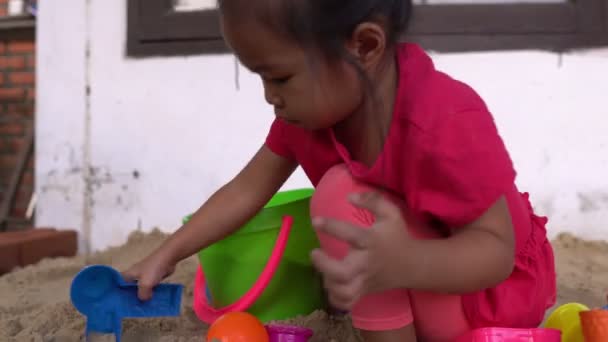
232 266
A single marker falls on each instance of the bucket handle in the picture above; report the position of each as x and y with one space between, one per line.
209 314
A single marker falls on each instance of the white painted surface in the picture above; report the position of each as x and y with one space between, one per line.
165 133
194 5
60 115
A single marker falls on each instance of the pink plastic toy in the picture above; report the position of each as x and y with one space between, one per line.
288 333
208 314
512 335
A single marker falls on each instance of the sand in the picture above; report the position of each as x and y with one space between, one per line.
34 301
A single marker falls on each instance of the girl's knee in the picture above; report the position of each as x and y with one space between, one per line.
439 317
387 311
334 188
330 201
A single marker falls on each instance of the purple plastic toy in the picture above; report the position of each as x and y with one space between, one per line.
288 333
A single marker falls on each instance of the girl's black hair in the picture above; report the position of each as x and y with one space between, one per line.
326 24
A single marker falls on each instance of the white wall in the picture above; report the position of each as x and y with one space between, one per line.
158 136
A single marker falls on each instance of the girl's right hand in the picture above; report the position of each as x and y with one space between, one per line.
222 214
149 272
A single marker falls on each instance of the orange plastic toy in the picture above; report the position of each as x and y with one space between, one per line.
237 327
595 325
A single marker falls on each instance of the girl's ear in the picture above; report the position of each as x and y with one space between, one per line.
367 45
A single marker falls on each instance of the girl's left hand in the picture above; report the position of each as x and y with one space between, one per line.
371 262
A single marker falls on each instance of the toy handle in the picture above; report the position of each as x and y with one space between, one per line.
209 314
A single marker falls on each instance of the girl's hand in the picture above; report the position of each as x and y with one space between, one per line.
150 272
369 265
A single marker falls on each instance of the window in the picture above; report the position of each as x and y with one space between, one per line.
173 27
180 27
464 25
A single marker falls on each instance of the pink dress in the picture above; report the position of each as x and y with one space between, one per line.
445 160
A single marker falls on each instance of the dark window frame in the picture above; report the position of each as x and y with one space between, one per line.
154 29
21 27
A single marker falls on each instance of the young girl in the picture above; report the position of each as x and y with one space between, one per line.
423 232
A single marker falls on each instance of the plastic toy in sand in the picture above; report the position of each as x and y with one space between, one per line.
594 325
244 327
566 318
288 333
105 298
273 277
571 322
237 327
578 323
512 335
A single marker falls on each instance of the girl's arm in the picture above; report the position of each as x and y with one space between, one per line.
478 256
227 210
468 168
232 205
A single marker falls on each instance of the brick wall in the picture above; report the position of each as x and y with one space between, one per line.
17 95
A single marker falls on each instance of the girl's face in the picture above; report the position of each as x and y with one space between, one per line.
312 95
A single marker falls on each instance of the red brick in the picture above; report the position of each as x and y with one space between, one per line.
9 257
31 61
22 78
1 79
10 237
21 109
7 161
57 244
12 144
21 46
5 147
27 182
31 94
3 11
12 62
24 194
12 94
11 128
20 208
18 212
31 246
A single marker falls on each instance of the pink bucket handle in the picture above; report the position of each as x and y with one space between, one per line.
208 314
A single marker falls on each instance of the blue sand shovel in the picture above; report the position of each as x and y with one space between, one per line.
105 298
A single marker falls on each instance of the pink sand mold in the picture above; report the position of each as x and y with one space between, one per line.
512 335
288 333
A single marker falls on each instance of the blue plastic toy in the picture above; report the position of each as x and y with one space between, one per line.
105 298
